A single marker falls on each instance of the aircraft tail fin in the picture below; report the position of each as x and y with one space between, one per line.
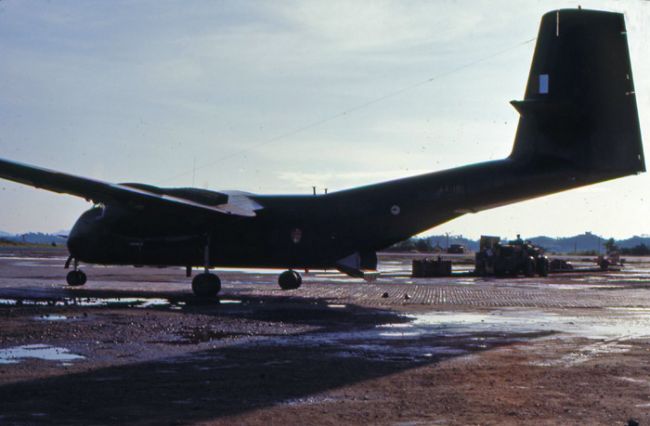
580 106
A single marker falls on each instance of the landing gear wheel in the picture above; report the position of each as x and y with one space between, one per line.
289 280
76 278
206 285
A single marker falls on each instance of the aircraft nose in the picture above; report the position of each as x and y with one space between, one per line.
82 240
78 240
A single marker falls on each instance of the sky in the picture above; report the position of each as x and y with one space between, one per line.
277 97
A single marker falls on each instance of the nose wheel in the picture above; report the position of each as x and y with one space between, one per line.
76 278
289 280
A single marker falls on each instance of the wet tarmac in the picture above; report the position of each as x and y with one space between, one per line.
135 346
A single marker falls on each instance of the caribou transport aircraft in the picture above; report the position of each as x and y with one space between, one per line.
578 125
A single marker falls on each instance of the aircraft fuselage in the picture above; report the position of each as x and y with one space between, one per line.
313 231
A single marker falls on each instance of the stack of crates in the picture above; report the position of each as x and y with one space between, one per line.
429 267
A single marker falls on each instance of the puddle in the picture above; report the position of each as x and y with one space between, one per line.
128 302
443 334
607 333
197 336
44 352
51 317
148 303
132 302
630 322
439 335
112 302
310 400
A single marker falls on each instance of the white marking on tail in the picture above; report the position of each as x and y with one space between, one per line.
543 84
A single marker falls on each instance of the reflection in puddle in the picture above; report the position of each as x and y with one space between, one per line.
45 352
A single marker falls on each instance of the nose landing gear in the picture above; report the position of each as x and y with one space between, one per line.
206 285
289 280
76 277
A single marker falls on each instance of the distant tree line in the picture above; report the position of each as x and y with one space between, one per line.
637 250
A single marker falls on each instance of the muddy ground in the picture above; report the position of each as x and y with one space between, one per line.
134 346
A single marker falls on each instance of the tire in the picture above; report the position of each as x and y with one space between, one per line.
206 285
76 278
289 280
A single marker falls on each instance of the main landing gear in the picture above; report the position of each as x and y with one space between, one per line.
206 284
76 277
289 280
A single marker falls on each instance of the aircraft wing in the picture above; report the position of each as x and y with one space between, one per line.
235 204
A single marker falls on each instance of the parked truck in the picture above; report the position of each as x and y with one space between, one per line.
515 258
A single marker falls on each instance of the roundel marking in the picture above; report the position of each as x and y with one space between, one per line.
395 210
